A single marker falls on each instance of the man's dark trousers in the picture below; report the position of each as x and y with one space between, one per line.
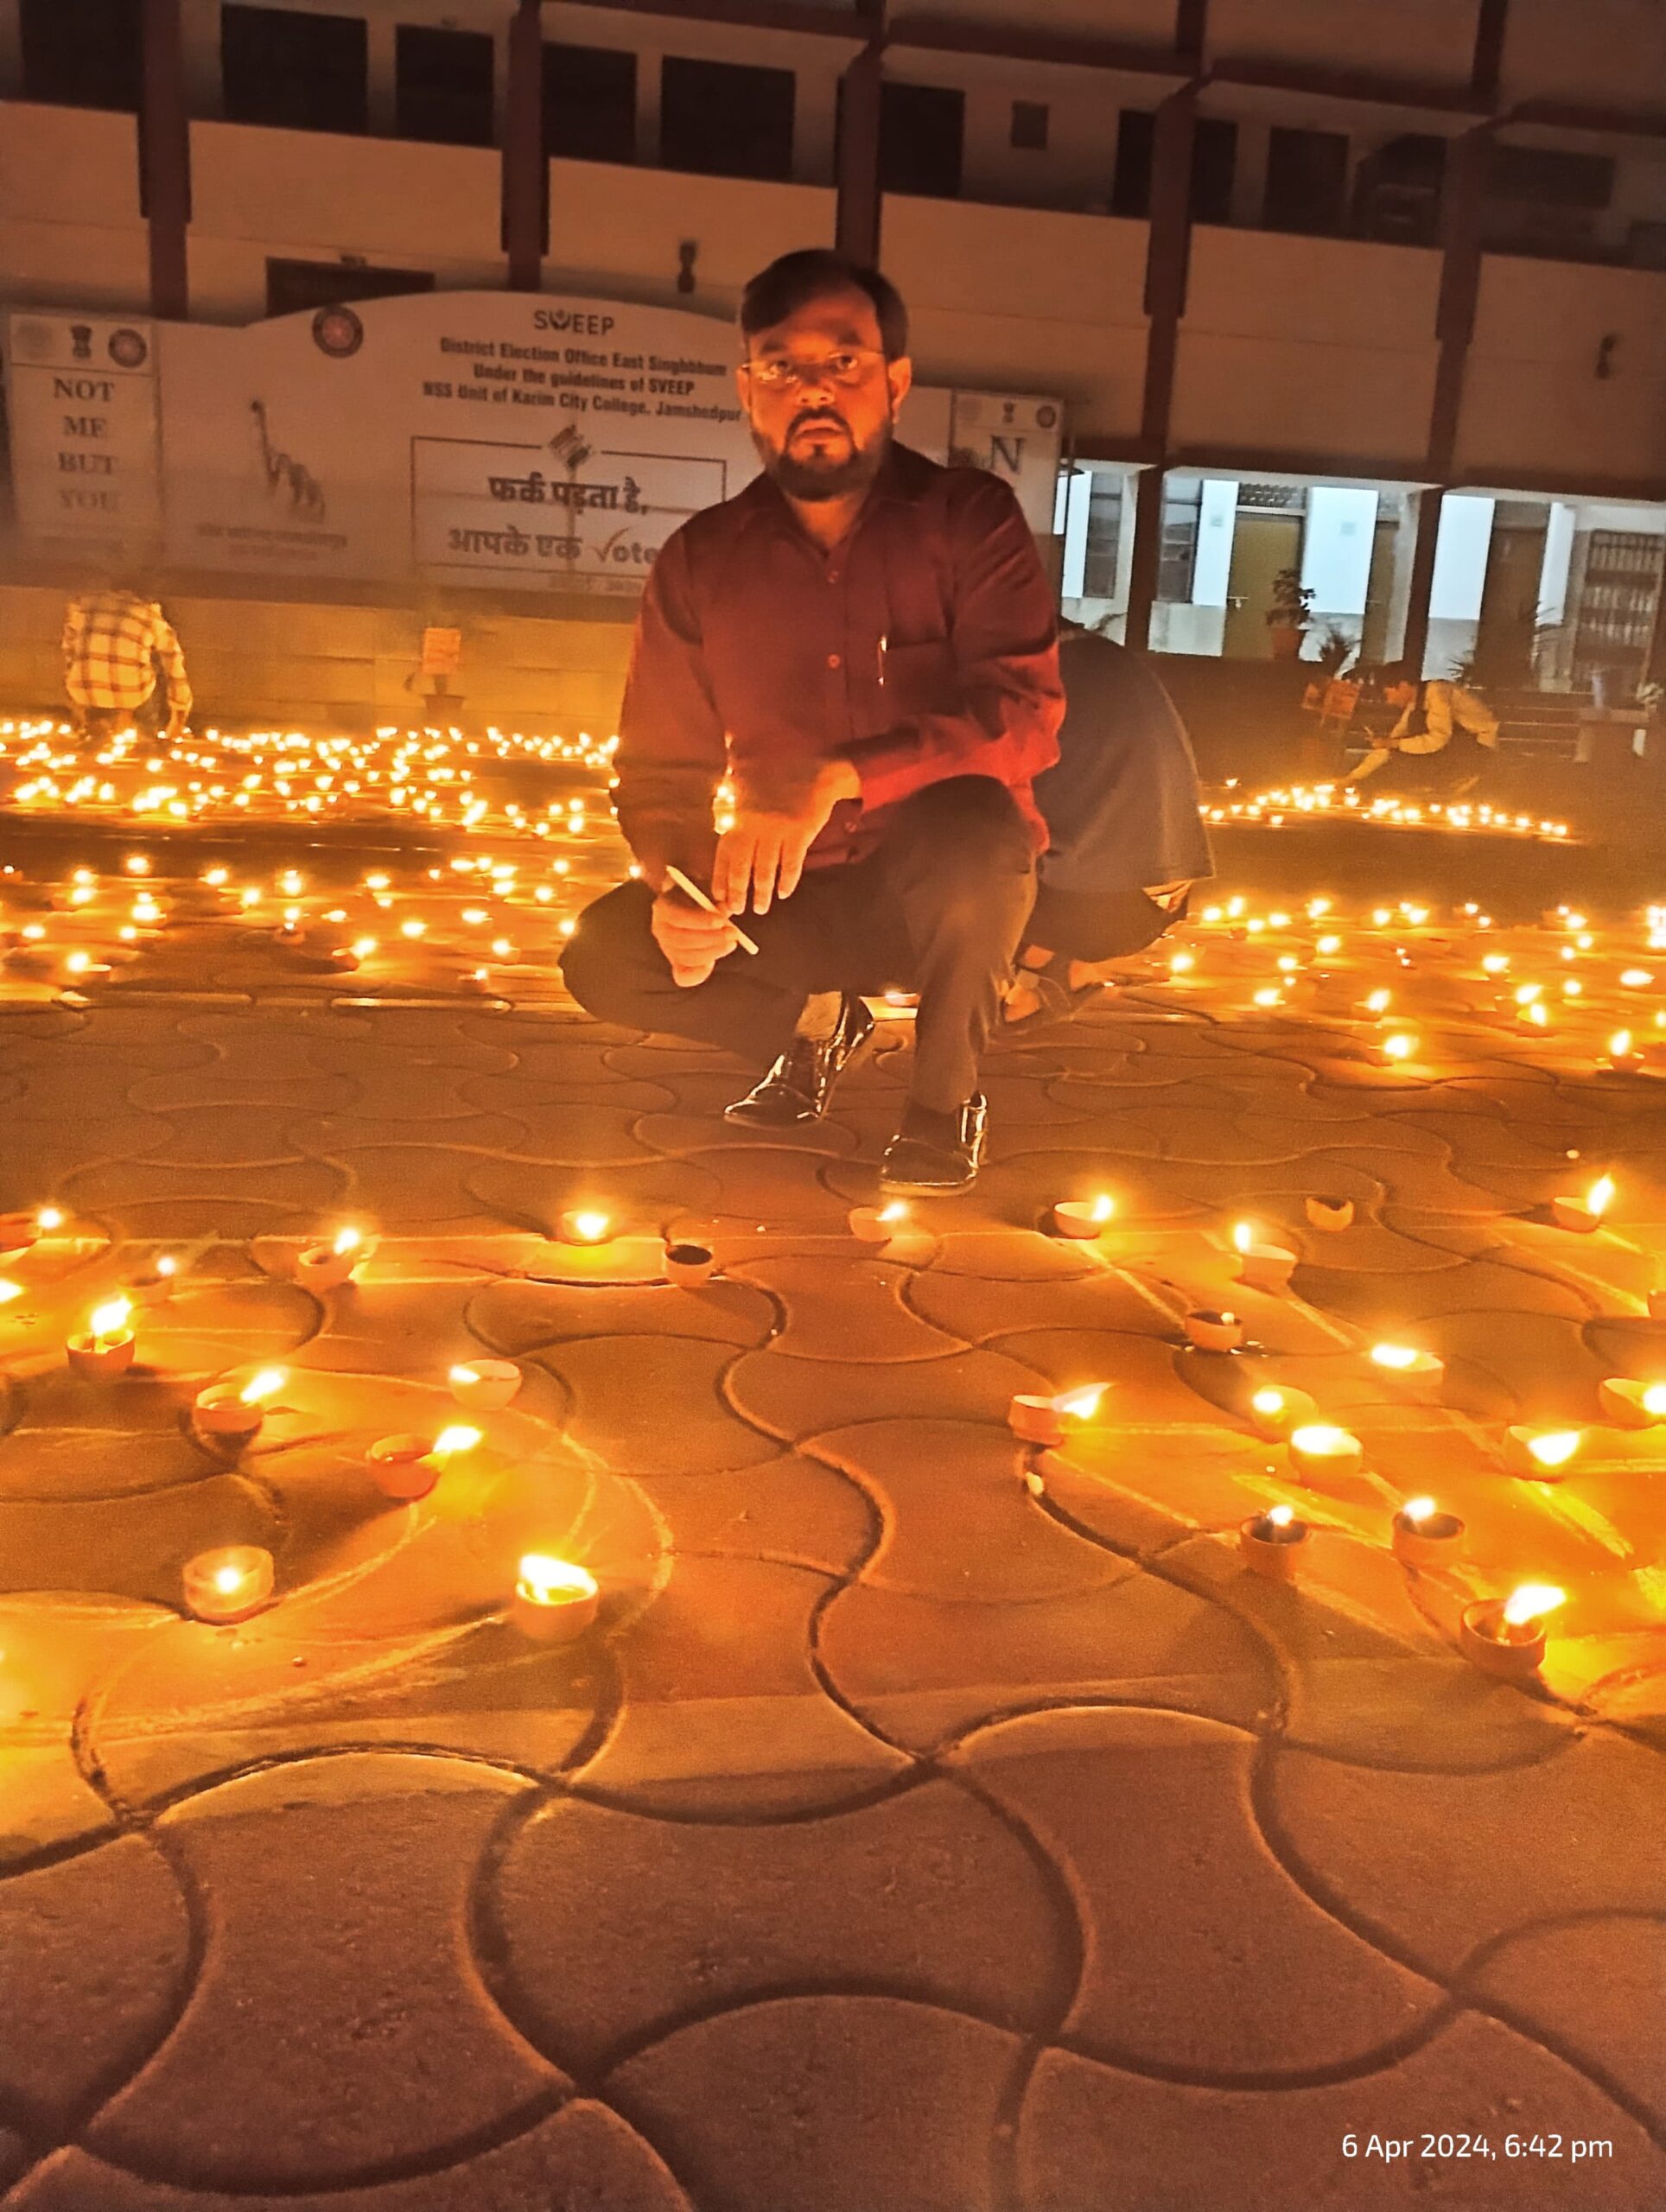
938 908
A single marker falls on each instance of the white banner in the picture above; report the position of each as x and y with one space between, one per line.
494 438
81 396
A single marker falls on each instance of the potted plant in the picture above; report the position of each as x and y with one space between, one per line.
1290 613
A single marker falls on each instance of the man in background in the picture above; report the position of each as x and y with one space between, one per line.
114 644
1435 717
1126 837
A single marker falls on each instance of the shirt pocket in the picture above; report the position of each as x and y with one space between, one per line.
921 678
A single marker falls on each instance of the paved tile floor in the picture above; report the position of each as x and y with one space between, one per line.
930 1824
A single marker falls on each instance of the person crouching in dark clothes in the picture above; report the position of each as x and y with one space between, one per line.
1127 842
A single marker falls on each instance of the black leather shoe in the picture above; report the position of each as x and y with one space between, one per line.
796 1089
938 1165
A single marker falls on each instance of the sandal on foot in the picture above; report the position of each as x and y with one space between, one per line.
1059 1002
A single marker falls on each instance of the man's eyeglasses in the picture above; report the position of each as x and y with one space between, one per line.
781 372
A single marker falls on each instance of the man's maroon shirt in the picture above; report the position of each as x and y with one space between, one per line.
922 646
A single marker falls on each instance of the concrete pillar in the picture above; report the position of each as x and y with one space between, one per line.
1167 255
165 156
12 52
382 85
857 221
205 83
649 61
1423 509
526 171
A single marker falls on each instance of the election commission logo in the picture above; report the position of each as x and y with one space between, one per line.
128 349
338 331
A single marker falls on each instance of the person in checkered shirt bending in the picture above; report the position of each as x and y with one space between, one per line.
114 642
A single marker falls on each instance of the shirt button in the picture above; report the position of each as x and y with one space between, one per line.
834 661
832 575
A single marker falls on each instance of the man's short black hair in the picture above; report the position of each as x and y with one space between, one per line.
814 273
1393 672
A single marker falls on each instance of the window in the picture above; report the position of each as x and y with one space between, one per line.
1554 180
1130 189
723 119
81 53
300 72
589 103
1214 152
1029 131
1104 536
1177 557
1396 193
922 129
293 286
1306 181
443 83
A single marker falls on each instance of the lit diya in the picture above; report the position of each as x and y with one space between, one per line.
878 1224
554 1600
1424 1536
1271 1542
1320 1448
106 1347
1545 1454
1507 1636
223 1409
325 1266
1633 1405
1083 1218
485 1383
1275 1410
1046 1420
1261 1266
1583 1215
1419 1374
228 1584
586 1225
407 1468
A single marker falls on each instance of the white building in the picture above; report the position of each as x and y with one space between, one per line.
1375 291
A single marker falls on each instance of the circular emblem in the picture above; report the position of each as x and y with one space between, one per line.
1046 418
128 349
338 331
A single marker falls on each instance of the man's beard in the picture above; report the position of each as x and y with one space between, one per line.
830 473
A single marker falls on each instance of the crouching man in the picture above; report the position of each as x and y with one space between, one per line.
864 643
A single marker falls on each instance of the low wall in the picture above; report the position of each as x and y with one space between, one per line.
270 659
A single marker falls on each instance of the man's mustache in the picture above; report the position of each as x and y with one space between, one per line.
809 422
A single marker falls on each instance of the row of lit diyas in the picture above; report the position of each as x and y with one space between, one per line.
554 1600
1273 809
1503 1637
288 774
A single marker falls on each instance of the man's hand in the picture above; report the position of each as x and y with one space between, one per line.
692 940
764 853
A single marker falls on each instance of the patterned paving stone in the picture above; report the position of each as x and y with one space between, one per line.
722 1711
792 1509
1106 1794
851 1312
1009 1256
392 2054
163 1198
94 1957
623 1388
793 1399
1173 2145
582 2159
922 1671
1579 1822
1592 1989
1104 1300
519 1317
834 2102
993 1547
922 1874
55 1653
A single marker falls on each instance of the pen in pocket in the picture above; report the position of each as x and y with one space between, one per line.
884 644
